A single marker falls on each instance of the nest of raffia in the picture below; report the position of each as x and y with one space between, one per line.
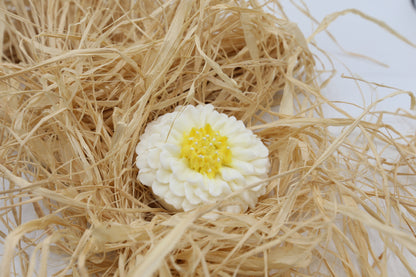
81 79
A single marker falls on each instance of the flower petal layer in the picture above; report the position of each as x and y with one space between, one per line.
179 187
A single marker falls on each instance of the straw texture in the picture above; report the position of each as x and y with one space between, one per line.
79 81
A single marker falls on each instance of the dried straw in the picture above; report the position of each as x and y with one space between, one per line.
80 80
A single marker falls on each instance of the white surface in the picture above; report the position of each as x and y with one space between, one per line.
360 36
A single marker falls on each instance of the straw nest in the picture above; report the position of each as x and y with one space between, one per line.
81 79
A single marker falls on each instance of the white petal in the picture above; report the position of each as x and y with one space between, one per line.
254 179
226 189
204 112
235 186
166 161
229 174
232 209
198 117
179 169
231 127
242 139
187 205
193 177
153 158
244 154
223 186
190 195
211 216
212 118
183 123
242 166
160 189
202 194
262 150
141 161
147 178
163 175
176 186
175 137
173 200
163 132
260 190
170 149
244 206
261 166
215 187
247 196
260 171
155 139
141 147
252 203
208 108
220 123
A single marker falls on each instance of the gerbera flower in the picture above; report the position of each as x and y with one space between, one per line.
196 155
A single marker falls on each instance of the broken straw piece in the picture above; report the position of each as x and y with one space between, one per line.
196 155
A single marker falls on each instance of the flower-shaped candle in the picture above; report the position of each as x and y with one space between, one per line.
196 155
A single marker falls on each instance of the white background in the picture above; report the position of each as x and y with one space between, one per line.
360 36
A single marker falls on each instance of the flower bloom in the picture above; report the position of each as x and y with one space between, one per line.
196 155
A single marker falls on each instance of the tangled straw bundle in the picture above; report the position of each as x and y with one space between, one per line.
80 80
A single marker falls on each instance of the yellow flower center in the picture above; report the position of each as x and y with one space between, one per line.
205 151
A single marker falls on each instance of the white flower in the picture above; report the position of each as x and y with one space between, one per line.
195 155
